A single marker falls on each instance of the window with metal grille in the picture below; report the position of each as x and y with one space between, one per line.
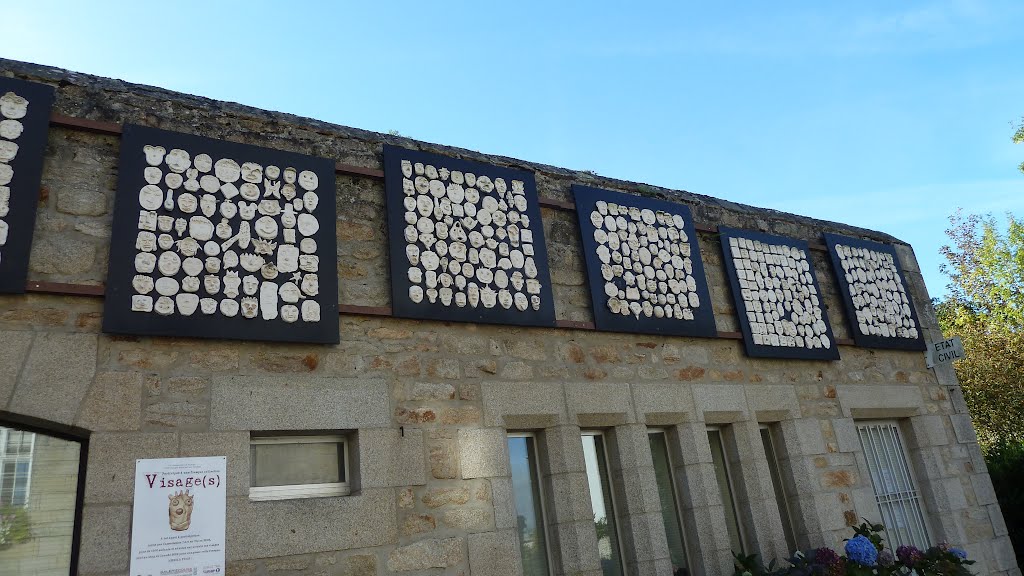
15 466
899 502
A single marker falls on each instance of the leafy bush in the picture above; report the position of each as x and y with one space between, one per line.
14 525
866 555
1006 467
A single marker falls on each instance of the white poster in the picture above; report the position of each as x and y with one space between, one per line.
179 517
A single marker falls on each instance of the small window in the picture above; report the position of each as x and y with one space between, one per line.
725 488
602 503
899 503
667 496
768 440
526 492
283 467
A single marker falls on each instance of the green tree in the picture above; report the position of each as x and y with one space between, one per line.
985 308
1018 138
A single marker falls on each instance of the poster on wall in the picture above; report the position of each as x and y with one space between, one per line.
24 126
179 517
466 241
643 264
779 304
878 305
215 239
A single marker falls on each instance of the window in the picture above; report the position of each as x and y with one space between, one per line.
725 489
526 493
667 495
601 501
41 477
899 503
768 440
284 467
15 466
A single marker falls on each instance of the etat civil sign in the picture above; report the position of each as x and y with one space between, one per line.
944 351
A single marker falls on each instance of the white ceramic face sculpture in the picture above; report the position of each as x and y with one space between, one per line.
464 239
227 208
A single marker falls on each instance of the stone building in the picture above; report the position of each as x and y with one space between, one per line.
471 448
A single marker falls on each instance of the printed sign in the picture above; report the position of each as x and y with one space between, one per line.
179 517
944 351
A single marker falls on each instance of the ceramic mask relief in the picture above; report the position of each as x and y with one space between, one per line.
226 246
777 296
878 303
24 112
453 230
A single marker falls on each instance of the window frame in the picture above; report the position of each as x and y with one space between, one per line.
675 492
296 491
785 507
917 498
611 493
720 429
540 493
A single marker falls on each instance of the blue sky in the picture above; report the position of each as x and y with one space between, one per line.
887 115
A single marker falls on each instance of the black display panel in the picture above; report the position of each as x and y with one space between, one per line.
215 239
643 264
24 125
466 241
879 308
778 300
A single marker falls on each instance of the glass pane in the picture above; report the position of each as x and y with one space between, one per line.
297 463
526 494
725 489
667 495
780 495
7 481
38 492
601 501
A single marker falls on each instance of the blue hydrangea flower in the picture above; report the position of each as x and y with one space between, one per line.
861 550
959 553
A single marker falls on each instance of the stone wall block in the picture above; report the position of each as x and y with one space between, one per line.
483 452
303 526
53 390
299 402
388 458
720 398
114 402
505 515
568 497
847 437
106 531
575 548
494 554
427 554
662 404
521 399
802 437
963 428
599 399
563 447
110 475
927 430
12 357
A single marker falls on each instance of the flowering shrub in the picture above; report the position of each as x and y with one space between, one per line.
866 555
